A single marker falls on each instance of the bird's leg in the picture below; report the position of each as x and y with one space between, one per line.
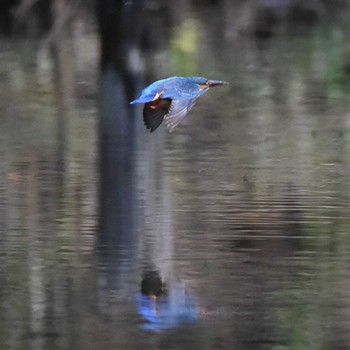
154 104
160 103
156 101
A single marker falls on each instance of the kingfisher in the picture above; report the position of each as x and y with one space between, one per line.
171 99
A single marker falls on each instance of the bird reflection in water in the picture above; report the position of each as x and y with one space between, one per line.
164 308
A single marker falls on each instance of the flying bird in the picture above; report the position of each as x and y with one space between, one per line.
171 99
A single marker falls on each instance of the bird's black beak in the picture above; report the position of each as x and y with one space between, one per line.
212 83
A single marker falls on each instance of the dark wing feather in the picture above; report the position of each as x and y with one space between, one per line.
177 112
154 112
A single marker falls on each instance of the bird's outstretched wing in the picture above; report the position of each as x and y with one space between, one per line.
154 112
173 111
177 112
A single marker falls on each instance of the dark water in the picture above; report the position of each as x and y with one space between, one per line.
239 220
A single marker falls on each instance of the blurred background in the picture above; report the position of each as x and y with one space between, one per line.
232 232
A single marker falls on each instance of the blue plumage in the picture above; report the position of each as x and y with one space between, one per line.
175 88
171 99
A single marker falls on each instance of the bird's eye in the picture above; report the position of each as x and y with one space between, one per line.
207 82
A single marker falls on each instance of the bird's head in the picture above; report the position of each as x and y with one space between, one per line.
205 83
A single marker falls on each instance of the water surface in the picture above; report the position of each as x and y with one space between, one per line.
240 218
